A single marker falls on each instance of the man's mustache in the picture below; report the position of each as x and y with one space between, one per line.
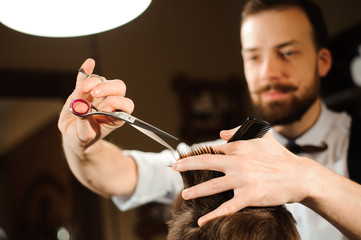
276 87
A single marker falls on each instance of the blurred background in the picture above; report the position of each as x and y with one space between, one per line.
182 66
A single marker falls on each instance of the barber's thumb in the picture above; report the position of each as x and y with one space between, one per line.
227 134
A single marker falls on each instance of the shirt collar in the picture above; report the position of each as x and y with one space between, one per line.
316 134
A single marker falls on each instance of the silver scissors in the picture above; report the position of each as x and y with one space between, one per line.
140 125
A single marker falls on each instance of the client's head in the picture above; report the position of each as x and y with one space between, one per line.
258 223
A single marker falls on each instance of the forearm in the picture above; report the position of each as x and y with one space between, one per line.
102 167
338 200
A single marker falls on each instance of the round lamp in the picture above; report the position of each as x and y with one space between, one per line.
69 18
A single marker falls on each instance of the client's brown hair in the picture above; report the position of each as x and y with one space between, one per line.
247 224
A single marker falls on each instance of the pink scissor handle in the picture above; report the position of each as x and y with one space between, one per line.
77 101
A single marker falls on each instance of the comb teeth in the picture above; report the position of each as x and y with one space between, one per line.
262 131
251 128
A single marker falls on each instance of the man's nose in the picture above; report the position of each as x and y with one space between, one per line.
271 68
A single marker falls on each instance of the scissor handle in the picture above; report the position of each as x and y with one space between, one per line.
135 122
77 101
118 114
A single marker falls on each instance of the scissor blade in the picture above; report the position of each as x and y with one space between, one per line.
152 135
151 128
137 122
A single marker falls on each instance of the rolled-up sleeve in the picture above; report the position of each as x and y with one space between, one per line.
157 181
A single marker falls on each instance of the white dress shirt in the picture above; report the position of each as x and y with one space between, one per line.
157 182
333 129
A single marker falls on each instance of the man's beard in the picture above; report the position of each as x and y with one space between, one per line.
287 112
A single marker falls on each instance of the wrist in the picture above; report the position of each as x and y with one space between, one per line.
317 183
81 150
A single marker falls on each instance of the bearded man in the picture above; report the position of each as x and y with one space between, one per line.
285 55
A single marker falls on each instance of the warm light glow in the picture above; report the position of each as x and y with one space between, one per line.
69 18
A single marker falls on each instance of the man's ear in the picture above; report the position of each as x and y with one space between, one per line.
324 61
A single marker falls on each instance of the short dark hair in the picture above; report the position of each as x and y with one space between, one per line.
311 9
250 223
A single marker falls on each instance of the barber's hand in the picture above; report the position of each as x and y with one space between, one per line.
260 171
103 94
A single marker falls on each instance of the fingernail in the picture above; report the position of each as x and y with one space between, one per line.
223 134
177 165
226 133
201 221
185 194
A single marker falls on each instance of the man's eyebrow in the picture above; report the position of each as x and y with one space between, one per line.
281 45
293 42
250 49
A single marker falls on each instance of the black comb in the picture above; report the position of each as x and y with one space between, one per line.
251 128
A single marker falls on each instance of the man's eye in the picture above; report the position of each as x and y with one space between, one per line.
253 58
288 53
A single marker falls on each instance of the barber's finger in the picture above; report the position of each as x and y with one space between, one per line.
226 208
210 187
239 148
97 77
202 162
113 87
87 84
120 103
227 134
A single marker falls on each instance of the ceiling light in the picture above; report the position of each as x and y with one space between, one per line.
69 18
